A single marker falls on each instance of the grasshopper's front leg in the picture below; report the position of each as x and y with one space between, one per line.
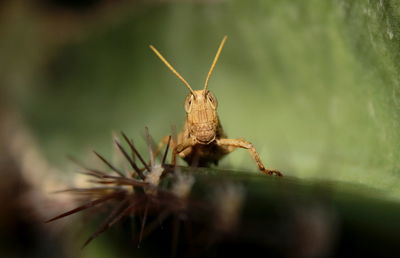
230 144
182 149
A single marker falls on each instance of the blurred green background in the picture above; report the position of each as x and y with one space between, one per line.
313 84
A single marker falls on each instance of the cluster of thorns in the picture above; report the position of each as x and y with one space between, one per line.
137 192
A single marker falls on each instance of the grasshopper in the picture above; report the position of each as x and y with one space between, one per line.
203 141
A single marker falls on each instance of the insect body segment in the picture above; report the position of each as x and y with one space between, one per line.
202 141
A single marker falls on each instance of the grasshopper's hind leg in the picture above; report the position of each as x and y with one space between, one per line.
231 144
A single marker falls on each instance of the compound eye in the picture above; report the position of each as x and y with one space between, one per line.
188 103
212 99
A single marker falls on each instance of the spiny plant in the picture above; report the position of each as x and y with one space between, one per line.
152 189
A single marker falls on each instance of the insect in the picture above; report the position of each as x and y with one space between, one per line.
202 141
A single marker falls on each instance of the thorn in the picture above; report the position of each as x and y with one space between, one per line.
109 164
166 151
133 149
143 222
87 205
149 146
107 223
131 162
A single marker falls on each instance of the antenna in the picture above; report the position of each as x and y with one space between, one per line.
172 68
221 46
